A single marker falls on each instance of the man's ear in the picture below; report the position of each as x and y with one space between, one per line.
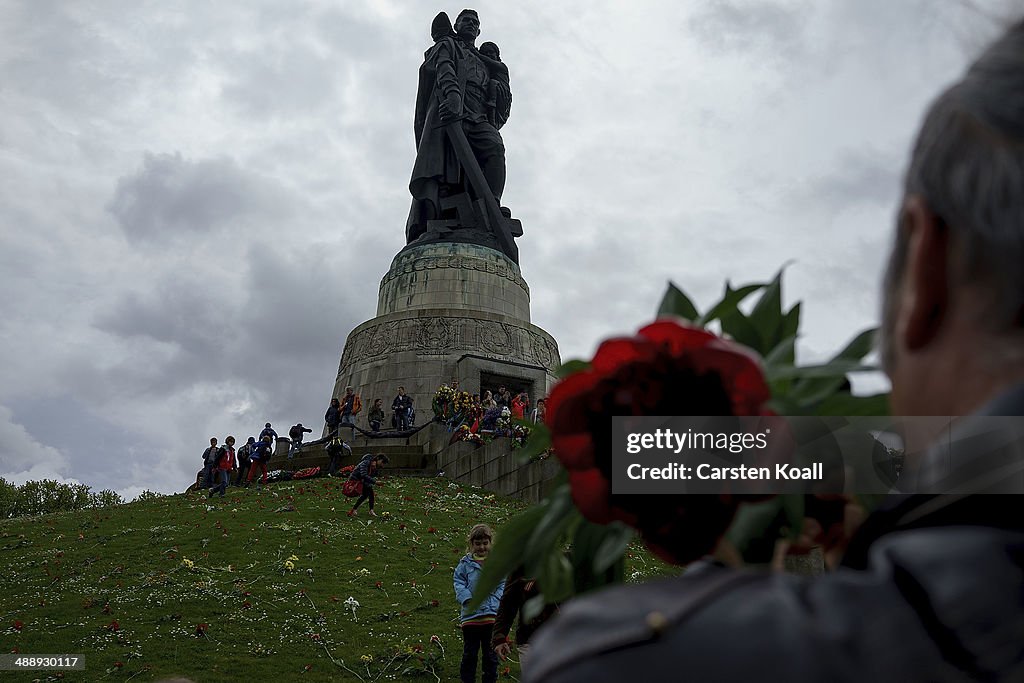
926 287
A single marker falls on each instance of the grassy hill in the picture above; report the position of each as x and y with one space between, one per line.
279 583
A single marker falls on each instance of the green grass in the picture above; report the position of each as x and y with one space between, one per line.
129 586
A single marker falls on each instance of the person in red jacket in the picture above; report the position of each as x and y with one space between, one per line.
223 466
519 406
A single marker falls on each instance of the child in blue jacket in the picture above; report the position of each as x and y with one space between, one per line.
477 624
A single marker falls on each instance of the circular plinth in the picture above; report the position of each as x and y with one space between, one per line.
454 276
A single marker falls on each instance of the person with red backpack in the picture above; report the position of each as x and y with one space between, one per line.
365 472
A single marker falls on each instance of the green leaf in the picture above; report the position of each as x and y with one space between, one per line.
675 302
739 327
571 367
830 370
859 346
559 516
586 541
756 526
767 314
816 383
533 607
782 355
731 299
507 553
617 538
791 322
537 442
555 578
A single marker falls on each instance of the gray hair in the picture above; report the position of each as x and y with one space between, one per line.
968 165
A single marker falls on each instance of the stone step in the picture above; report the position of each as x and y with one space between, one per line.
400 458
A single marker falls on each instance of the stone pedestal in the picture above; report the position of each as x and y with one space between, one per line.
447 311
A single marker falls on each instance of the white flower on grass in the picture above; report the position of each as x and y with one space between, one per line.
352 604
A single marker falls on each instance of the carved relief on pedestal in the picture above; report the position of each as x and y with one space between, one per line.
441 334
457 262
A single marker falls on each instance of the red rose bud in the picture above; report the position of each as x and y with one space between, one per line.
669 368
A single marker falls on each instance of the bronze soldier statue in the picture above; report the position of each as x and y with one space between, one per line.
458 177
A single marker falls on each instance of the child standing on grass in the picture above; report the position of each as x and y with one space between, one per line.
477 624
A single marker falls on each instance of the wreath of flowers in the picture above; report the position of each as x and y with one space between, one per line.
464 433
443 402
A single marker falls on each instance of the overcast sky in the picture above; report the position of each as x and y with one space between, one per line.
198 200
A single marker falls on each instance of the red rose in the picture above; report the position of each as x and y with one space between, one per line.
669 368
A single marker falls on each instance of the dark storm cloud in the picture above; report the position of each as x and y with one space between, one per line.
171 195
179 296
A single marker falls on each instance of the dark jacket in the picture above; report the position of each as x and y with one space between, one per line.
365 470
333 416
296 432
402 403
265 432
939 600
931 589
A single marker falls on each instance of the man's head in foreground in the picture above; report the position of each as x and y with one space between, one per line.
953 310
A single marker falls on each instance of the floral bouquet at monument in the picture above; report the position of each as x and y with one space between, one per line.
731 360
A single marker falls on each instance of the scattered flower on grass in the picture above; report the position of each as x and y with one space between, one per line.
114 626
352 604
201 629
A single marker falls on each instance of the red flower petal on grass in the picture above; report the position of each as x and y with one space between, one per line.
18 625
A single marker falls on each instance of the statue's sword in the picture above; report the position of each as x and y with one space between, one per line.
464 153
